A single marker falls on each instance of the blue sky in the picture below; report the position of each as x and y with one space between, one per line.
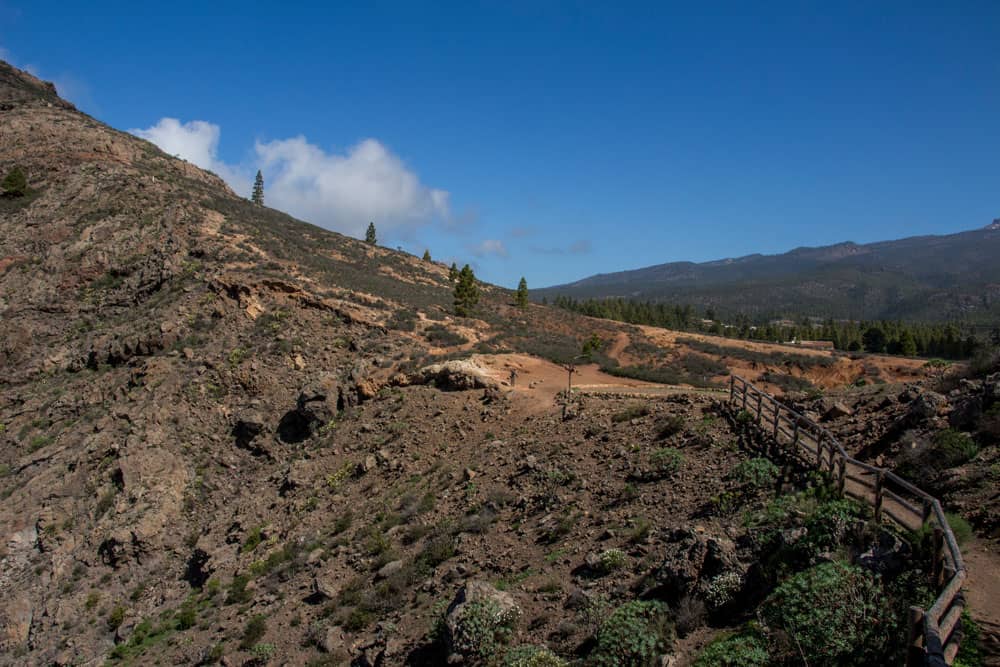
557 140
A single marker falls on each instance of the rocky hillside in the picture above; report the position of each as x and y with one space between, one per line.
211 445
227 436
931 278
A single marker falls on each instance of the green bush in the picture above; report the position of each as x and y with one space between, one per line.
442 336
831 614
15 183
960 527
635 635
723 588
827 526
632 411
116 617
953 448
238 593
254 630
669 426
754 474
482 629
610 560
969 652
746 648
253 540
947 449
187 616
666 461
532 656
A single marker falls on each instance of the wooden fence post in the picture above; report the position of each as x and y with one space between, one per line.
744 396
732 388
777 417
759 395
914 641
937 568
819 452
879 481
795 435
842 476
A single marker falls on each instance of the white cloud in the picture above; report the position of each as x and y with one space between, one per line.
345 191
196 142
337 191
489 247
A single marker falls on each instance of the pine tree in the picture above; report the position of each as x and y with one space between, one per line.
258 190
370 234
427 255
521 298
453 273
907 344
15 183
466 292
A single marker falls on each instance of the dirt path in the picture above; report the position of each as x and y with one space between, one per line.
982 592
541 380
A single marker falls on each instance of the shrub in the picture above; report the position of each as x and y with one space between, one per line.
532 656
481 630
754 474
238 593
722 588
116 617
253 540
827 526
666 461
787 383
947 449
263 651
633 411
746 648
960 527
442 336
669 426
254 630
610 560
635 634
187 616
953 448
831 614
970 653
15 183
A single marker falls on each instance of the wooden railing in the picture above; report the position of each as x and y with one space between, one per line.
934 634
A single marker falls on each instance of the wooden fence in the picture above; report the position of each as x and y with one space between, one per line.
934 633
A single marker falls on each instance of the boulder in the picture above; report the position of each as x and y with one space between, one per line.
690 560
888 555
389 569
316 406
965 411
246 427
326 583
838 410
991 389
455 375
925 406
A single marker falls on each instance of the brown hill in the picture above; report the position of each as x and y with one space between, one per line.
226 434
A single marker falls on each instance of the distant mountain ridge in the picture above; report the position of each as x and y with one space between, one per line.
933 278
